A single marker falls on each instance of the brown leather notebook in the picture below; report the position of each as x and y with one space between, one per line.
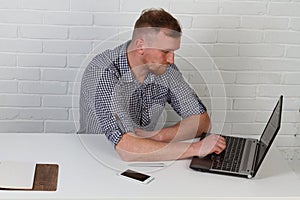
45 178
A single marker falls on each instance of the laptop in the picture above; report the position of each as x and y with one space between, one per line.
242 157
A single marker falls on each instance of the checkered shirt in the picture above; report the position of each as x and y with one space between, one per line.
109 87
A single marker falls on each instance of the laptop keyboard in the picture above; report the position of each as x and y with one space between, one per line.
230 158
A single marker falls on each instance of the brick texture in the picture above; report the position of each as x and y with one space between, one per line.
238 55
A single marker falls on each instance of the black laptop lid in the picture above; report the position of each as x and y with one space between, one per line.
269 133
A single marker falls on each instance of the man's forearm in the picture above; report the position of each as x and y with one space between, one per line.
133 148
188 128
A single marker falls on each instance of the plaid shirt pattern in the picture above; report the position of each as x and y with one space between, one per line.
108 87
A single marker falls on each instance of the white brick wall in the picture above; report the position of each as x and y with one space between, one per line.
238 55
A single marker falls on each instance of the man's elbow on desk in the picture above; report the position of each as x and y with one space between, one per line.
134 148
128 148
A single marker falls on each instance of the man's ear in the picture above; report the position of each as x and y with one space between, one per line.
139 45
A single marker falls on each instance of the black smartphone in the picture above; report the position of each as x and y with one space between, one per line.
136 176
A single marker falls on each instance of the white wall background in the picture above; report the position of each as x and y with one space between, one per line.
239 56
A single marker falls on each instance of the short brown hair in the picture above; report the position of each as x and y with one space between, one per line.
158 18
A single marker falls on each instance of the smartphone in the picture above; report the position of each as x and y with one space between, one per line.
136 176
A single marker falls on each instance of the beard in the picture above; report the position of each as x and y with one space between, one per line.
158 69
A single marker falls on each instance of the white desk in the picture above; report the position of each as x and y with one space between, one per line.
86 175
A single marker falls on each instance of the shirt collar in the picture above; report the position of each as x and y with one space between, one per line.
125 72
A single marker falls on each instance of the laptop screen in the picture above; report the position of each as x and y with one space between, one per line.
269 132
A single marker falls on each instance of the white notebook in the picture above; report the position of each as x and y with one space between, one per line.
17 175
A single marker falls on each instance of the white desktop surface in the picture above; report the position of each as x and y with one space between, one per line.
89 172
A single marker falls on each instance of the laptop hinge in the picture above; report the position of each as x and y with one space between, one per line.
249 157
255 158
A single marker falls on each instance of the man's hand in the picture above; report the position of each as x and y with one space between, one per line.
211 144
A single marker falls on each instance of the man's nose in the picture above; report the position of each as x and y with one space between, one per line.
170 57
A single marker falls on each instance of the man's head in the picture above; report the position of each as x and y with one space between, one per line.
156 36
158 18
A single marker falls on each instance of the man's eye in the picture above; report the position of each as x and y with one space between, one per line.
165 51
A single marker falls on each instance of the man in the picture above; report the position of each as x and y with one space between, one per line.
124 91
